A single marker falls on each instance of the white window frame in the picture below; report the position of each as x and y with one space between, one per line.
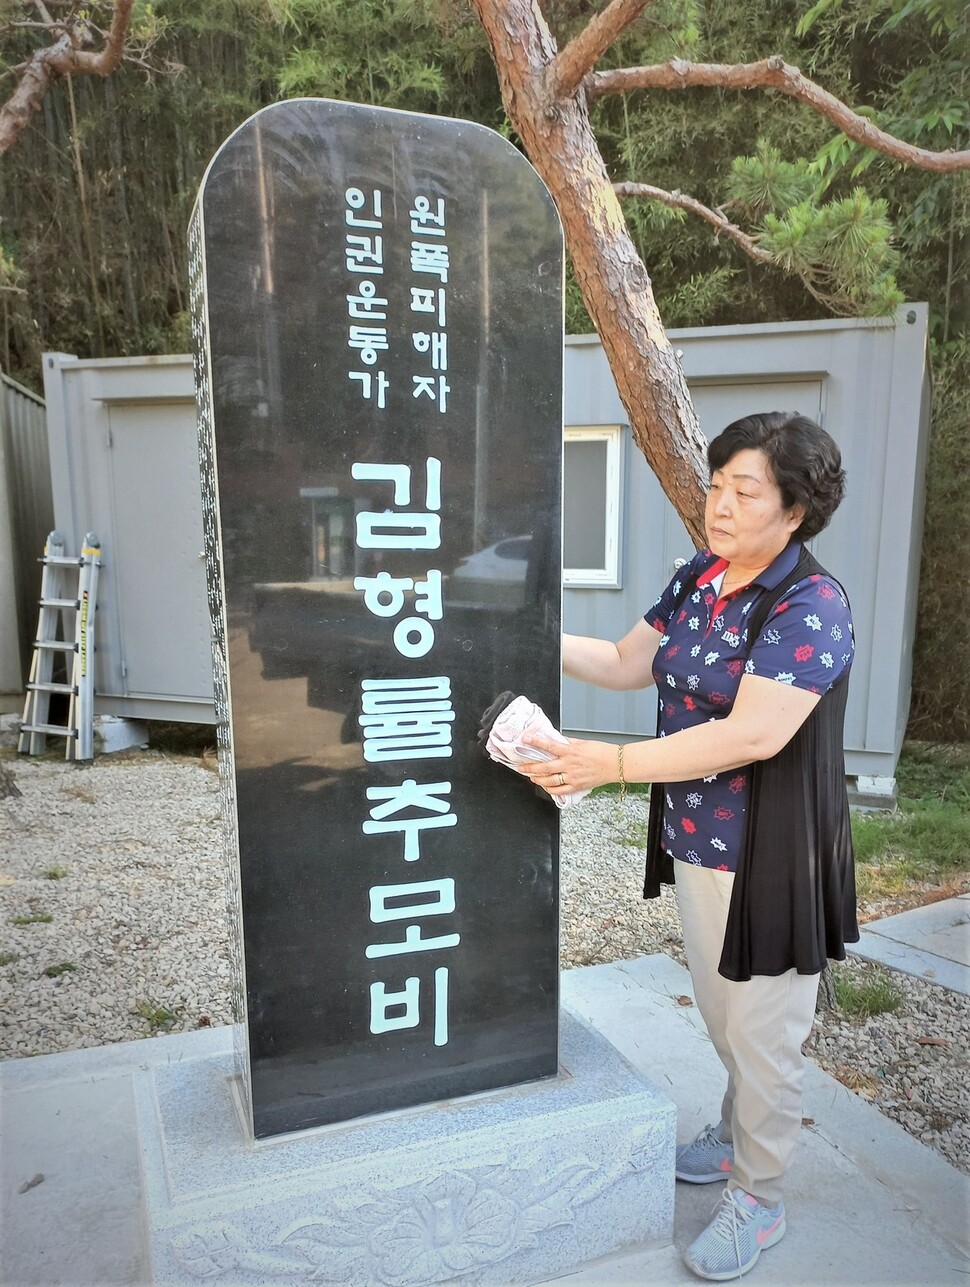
608 576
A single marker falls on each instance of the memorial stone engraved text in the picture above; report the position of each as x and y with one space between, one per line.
377 315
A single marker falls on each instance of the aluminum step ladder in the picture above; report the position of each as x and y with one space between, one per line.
68 603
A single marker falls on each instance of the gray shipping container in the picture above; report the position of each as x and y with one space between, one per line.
124 464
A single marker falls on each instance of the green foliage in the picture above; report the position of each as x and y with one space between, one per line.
928 838
852 230
33 918
577 318
701 142
418 55
917 87
940 772
158 1017
375 51
941 662
702 294
872 995
55 873
63 967
767 183
8 958
841 249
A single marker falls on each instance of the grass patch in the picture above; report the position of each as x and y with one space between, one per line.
158 1017
927 840
633 835
62 967
613 788
863 998
182 739
35 918
55 873
8 958
929 770
855 1079
923 840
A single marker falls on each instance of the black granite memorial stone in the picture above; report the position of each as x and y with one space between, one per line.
377 317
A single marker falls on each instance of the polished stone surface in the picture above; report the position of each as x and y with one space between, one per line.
508 1187
378 326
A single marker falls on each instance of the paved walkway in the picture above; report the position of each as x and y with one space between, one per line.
931 942
867 1203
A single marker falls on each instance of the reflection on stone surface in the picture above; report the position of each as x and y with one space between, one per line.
383 299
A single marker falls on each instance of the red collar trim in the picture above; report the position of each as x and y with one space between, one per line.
715 570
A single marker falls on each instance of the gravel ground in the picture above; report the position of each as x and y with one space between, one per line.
121 859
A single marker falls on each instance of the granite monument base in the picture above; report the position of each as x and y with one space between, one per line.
513 1186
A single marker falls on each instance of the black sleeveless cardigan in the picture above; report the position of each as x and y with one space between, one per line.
793 902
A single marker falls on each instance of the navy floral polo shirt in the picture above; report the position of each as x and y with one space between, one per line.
704 650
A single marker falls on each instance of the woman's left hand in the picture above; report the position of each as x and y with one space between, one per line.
578 766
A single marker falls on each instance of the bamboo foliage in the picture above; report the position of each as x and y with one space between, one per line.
93 214
94 200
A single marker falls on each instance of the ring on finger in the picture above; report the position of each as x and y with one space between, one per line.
562 780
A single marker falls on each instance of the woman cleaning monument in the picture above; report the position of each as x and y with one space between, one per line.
750 648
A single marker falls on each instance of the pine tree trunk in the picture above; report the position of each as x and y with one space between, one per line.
616 287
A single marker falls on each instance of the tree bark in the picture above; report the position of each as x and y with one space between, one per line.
615 285
546 94
63 57
716 218
581 54
775 73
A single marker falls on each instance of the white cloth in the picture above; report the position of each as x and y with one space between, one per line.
520 719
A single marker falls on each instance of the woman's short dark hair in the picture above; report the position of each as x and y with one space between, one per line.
803 460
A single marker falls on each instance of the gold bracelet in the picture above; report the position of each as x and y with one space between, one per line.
622 779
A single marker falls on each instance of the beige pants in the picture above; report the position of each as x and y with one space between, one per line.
757 1029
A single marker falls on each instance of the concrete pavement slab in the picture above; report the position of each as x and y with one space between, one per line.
867 1203
931 942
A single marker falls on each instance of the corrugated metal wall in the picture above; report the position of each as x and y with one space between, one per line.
26 518
124 463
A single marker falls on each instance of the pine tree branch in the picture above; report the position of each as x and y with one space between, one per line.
775 73
716 218
63 57
615 284
107 59
582 53
816 279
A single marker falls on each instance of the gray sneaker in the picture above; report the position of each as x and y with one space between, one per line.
740 1231
706 1159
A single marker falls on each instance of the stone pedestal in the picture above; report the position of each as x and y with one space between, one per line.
513 1186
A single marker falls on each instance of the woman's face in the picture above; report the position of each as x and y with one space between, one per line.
745 519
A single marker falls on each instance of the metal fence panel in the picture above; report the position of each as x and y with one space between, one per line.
26 517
